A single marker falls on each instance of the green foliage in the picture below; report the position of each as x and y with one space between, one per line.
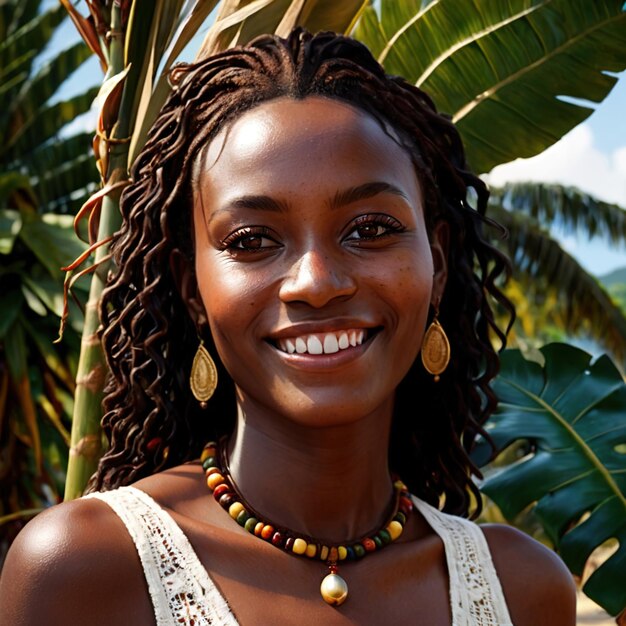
501 71
563 294
570 414
38 173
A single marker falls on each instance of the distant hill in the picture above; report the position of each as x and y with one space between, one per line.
616 277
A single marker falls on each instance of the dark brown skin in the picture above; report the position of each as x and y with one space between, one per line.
309 448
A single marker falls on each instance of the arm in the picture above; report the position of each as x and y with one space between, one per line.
538 588
74 564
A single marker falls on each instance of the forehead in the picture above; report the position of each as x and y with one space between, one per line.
285 131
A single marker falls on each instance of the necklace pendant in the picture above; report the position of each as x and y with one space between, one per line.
334 588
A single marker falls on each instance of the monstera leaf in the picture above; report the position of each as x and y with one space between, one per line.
572 413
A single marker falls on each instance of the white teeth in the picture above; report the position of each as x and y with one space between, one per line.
314 345
330 344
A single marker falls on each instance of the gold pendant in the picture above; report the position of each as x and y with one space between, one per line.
334 588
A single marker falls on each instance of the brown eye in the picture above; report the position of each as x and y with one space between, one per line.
252 242
374 226
250 239
367 231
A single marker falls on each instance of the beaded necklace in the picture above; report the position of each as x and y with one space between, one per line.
334 589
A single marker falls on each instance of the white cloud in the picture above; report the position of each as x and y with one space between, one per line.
572 161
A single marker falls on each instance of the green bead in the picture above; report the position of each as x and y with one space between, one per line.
384 536
359 550
242 518
250 524
400 517
378 541
210 461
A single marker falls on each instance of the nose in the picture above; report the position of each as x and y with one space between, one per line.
316 279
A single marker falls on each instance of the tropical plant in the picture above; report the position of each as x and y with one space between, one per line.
564 295
39 173
569 412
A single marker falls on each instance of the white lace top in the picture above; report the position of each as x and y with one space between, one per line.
183 593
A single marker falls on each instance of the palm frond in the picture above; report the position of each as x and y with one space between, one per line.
566 206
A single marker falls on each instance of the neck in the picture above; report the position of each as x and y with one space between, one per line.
329 483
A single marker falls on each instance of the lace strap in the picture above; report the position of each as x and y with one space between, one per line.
476 597
180 588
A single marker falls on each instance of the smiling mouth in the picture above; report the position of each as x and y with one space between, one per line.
325 343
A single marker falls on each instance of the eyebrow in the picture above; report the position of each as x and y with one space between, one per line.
363 192
340 199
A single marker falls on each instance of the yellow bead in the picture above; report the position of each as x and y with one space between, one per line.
334 589
342 553
299 546
235 508
214 480
206 453
323 553
394 529
311 550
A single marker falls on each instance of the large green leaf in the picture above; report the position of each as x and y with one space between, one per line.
571 411
501 69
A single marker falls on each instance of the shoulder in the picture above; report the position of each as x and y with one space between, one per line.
74 563
537 586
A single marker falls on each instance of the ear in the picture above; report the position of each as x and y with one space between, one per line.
439 246
185 280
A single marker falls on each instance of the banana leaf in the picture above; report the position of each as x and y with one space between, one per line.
571 411
502 71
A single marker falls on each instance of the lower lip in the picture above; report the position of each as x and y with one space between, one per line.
325 362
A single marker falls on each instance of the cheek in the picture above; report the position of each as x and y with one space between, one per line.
231 296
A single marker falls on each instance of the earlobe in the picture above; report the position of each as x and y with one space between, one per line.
185 281
439 248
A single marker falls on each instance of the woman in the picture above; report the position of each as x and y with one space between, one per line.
301 218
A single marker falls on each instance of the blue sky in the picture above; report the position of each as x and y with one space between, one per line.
591 157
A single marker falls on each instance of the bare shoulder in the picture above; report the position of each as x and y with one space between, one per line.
74 564
537 586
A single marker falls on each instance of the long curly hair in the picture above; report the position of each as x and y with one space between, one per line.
150 418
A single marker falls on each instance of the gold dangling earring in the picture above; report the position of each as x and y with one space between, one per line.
435 348
203 378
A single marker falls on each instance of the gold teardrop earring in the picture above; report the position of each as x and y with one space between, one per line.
435 348
203 378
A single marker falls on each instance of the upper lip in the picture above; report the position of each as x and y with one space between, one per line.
323 326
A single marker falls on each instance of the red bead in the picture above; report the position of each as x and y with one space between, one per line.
406 506
220 490
277 539
289 544
369 545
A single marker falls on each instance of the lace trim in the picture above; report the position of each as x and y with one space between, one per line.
180 588
183 593
476 597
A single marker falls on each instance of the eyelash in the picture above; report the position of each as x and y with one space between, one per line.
234 241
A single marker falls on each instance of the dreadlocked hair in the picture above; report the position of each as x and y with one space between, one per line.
150 418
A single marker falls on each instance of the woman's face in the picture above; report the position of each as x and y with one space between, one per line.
312 259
